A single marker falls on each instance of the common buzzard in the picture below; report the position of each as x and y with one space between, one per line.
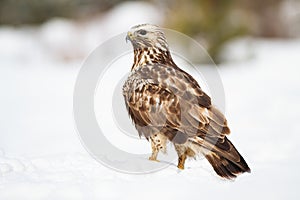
167 104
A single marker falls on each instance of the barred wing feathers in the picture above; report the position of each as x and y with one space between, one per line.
162 97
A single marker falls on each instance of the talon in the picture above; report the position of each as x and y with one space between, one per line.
181 167
153 159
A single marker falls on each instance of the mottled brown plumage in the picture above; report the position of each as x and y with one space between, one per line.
166 103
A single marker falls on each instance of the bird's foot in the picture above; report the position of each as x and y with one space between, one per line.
153 159
180 167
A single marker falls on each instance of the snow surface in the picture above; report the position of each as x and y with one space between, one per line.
41 156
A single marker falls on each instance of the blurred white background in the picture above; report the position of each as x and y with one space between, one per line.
41 156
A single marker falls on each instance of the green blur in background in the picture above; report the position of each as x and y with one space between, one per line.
211 22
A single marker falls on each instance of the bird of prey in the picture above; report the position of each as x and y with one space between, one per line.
166 104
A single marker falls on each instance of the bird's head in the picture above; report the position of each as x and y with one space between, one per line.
147 36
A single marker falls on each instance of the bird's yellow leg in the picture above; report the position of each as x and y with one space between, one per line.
154 156
181 161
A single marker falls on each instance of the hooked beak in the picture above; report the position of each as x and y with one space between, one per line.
129 36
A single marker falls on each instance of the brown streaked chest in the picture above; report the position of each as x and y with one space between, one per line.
148 56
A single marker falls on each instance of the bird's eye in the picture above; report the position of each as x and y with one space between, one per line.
142 32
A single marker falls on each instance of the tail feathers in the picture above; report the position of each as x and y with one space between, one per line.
223 156
226 168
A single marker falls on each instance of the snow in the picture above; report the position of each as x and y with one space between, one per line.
41 156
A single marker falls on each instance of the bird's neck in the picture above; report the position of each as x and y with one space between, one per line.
150 55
